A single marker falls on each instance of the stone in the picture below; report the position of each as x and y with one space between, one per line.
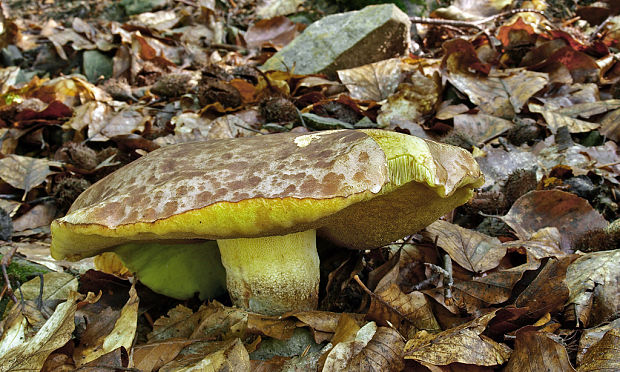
346 40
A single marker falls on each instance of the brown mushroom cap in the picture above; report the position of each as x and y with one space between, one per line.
338 182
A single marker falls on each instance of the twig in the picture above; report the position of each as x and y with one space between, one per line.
5 262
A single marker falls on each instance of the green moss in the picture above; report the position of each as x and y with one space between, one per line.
19 271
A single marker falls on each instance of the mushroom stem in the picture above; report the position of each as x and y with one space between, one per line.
272 275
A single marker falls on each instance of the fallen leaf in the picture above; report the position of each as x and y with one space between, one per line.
408 313
593 335
152 356
481 127
604 355
277 31
228 355
18 352
375 81
373 349
40 215
121 334
472 250
555 120
593 283
548 292
534 349
25 173
571 214
462 344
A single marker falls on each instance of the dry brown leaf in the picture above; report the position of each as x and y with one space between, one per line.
593 335
534 349
547 293
594 283
571 214
588 109
375 81
277 31
373 349
556 119
228 355
543 243
271 326
610 125
500 96
481 127
25 173
494 288
462 344
472 250
604 355
413 100
408 313
151 357
324 323
210 321
40 215
18 351
120 335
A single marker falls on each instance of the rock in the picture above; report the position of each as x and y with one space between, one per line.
346 40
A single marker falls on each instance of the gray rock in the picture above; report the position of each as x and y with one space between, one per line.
346 40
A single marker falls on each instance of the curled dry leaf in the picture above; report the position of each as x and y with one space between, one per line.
556 119
494 288
534 349
228 355
152 356
373 349
31 352
472 250
593 282
498 94
547 293
413 100
592 336
375 81
543 243
210 321
23 172
604 355
571 214
481 127
408 313
463 344
121 334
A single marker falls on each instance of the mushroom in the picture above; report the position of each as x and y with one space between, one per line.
263 199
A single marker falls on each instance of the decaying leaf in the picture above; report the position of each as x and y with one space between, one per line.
534 349
408 313
604 355
375 81
547 293
593 282
571 214
121 333
25 173
481 127
21 352
373 349
555 120
228 355
472 250
463 344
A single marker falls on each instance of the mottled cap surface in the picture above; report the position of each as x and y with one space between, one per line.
184 177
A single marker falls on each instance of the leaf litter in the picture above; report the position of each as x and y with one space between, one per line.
521 276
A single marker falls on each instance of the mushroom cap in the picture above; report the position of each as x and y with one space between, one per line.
332 181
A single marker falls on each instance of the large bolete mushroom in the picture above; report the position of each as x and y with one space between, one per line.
263 199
